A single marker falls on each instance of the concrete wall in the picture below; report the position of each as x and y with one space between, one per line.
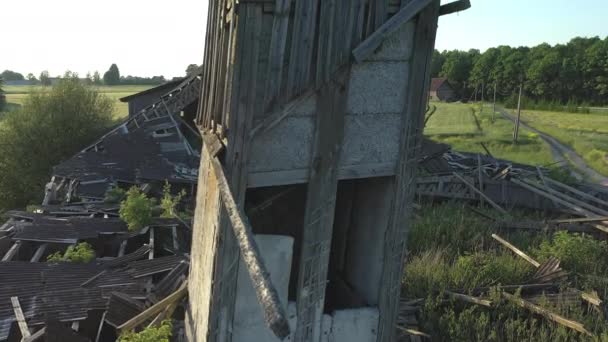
249 323
372 124
365 244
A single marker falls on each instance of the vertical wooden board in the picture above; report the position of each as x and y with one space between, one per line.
276 53
325 36
201 107
359 24
243 105
413 118
320 207
380 13
205 236
302 46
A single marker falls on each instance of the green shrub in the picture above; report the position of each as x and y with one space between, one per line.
49 127
169 202
115 195
136 209
162 333
81 253
577 253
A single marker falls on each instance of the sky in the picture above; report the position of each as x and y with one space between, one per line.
161 37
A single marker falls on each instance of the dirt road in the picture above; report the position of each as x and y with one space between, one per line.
563 152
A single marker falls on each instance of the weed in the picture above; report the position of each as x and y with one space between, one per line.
81 253
162 333
136 209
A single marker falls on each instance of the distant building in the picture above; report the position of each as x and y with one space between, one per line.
441 90
141 100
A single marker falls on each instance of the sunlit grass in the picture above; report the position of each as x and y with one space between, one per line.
456 124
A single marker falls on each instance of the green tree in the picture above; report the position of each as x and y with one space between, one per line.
32 78
437 63
112 76
457 68
192 69
45 79
9 75
50 127
97 78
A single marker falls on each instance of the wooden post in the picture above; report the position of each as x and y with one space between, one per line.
12 251
39 252
482 91
516 131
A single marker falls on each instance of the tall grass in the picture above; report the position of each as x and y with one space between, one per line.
450 250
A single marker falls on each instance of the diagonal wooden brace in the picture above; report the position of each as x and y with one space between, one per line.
274 314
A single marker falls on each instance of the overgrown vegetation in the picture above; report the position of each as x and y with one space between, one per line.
137 209
169 203
451 249
2 97
49 127
81 253
162 333
115 195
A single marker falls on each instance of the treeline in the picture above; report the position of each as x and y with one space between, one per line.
565 74
111 77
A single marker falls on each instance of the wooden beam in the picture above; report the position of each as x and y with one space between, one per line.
455 6
35 336
320 206
123 247
547 314
469 299
472 187
274 315
151 253
516 250
155 309
12 251
412 120
274 118
407 13
576 191
39 252
25 331
276 53
101 323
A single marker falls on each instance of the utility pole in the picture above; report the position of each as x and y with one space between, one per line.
494 104
516 132
475 94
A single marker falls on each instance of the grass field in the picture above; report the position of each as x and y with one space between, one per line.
464 128
15 95
587 134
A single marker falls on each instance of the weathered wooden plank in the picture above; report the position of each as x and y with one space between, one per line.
547 314
39 252
455 6
276 54
25 331
35 336
575 191
12 251
411 133
369 45
100 327
477 191
302 46
516 250
320 207
469 299
155 309
268 298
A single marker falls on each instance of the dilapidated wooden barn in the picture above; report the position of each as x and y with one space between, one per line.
312 117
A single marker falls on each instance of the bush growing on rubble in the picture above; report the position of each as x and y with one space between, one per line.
51 126
114 195
136 209
162 333
81 253
169 202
